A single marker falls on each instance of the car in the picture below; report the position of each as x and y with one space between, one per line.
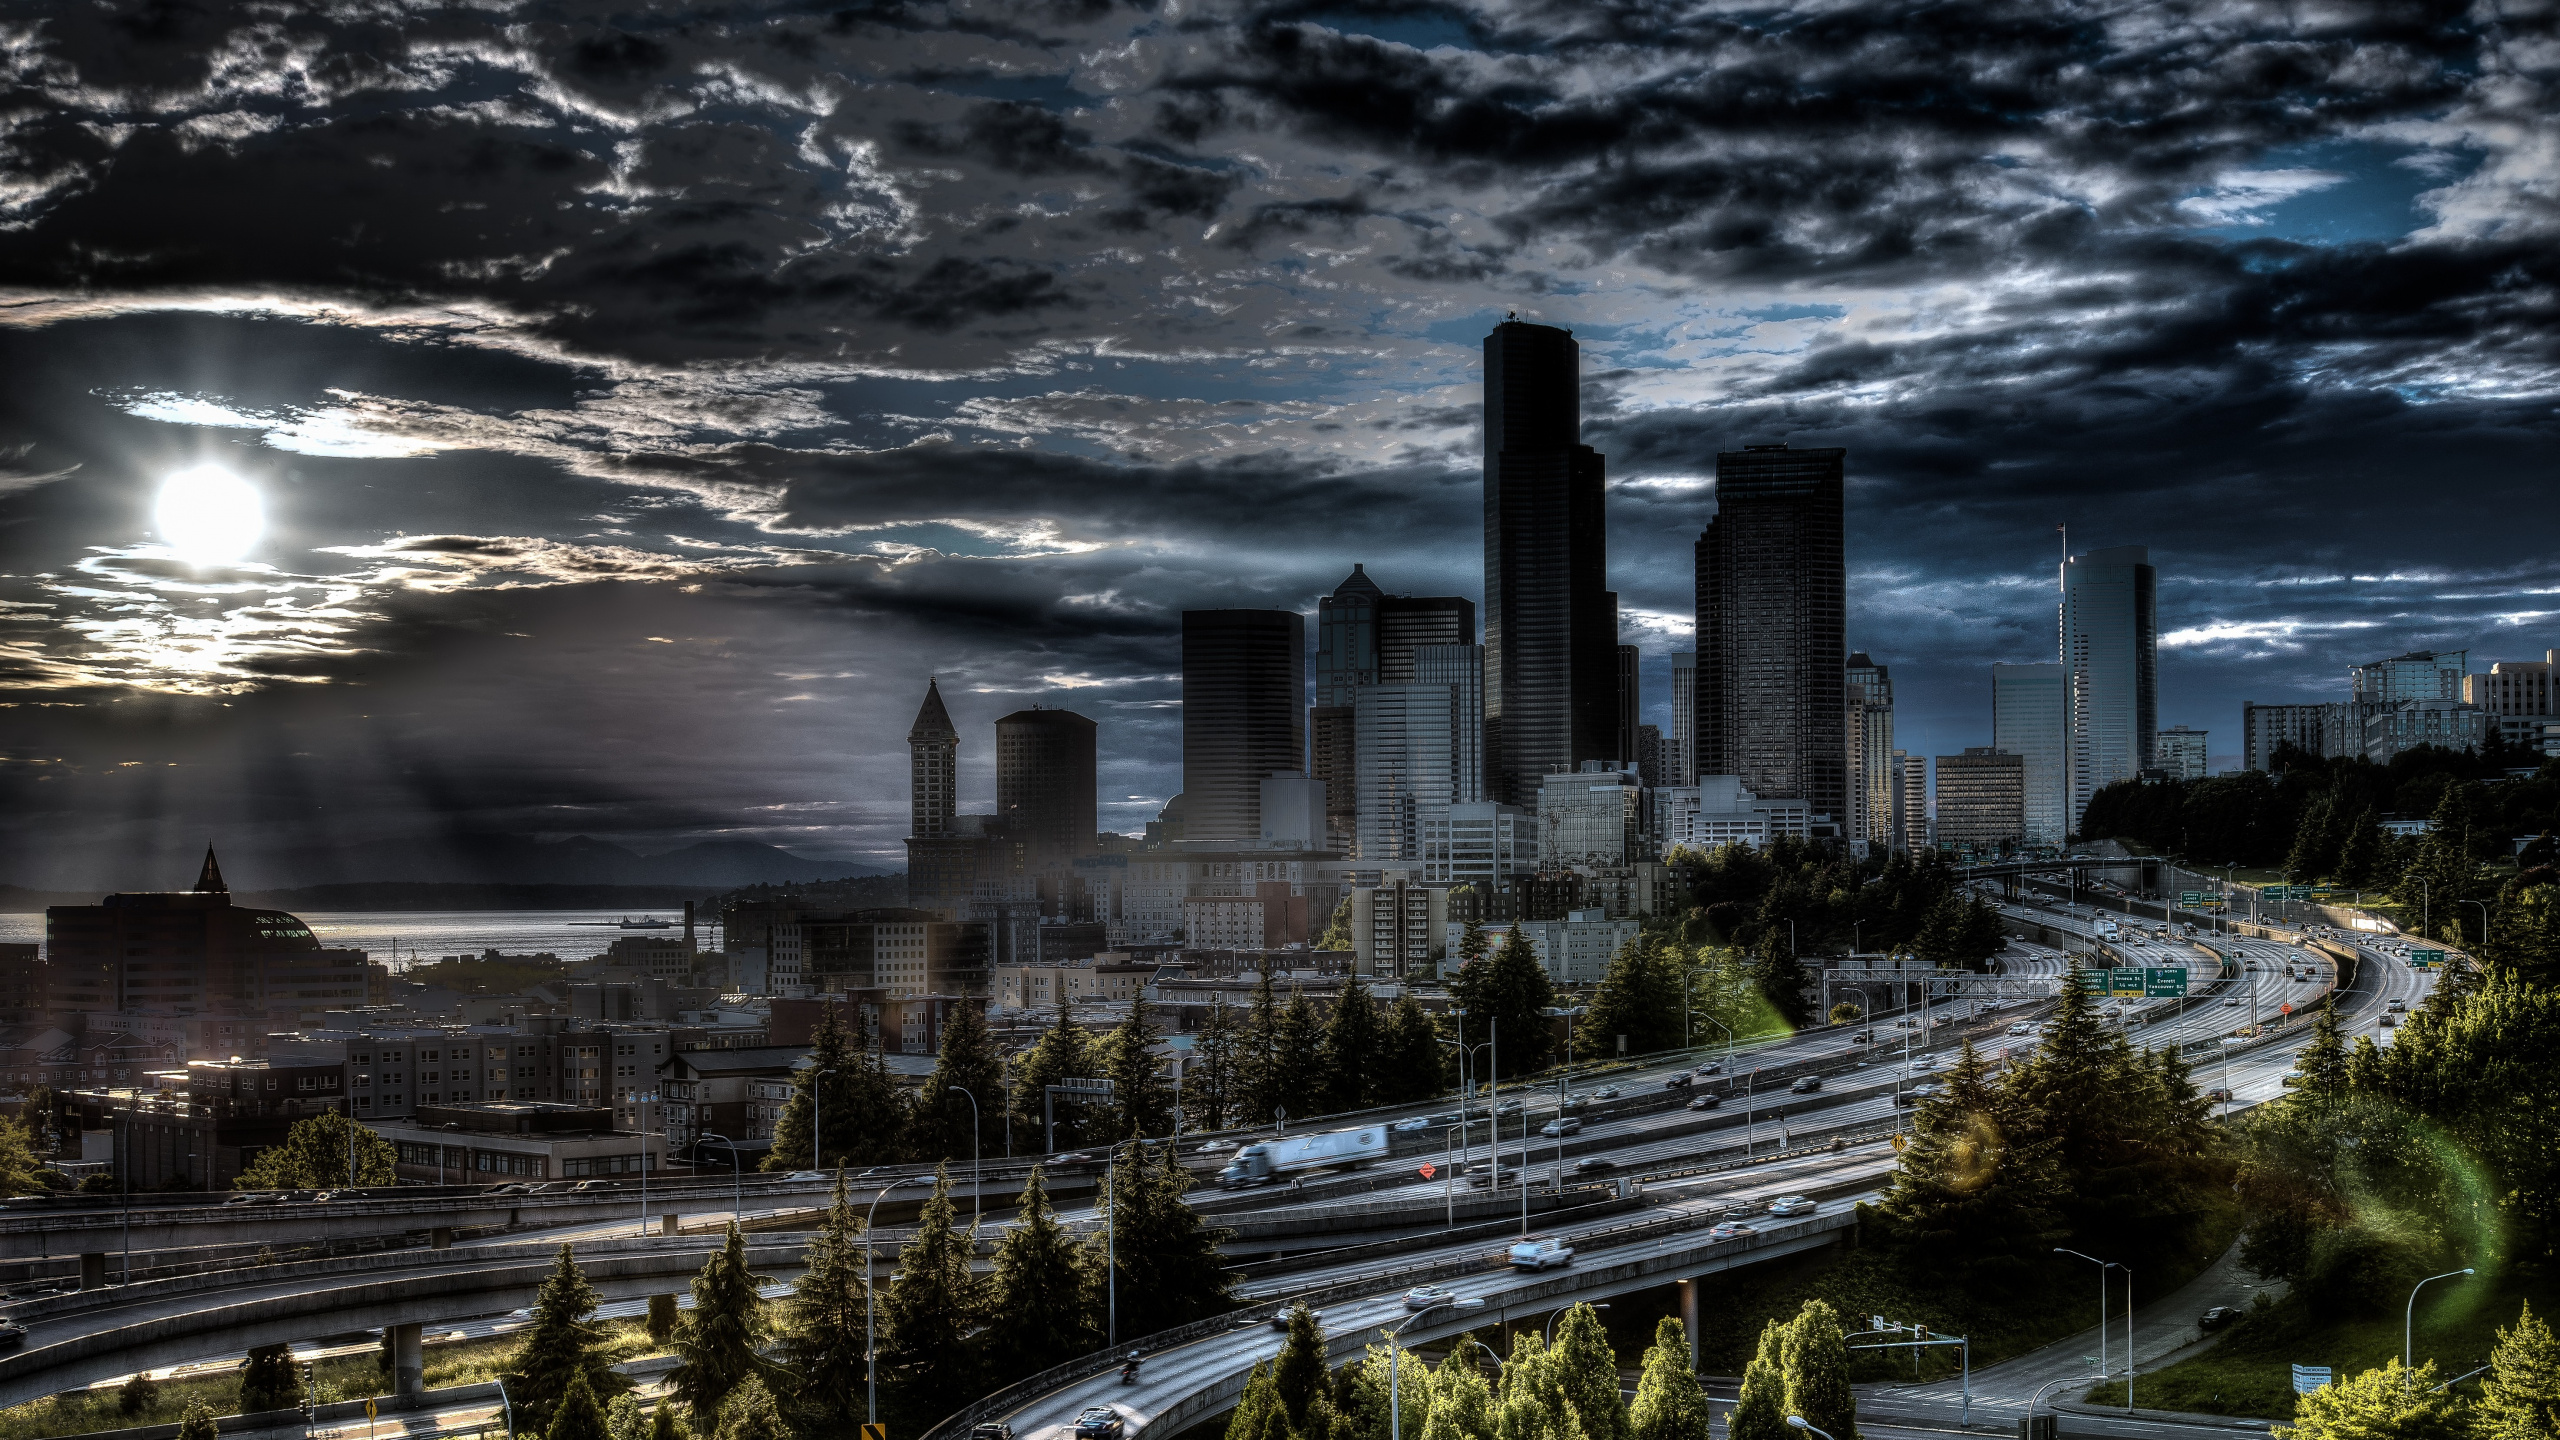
2217 1093
1707 1102
1681 1081
1806 1084
1076 1157
518 1188
1404 1127
1560 1127
1483 1177
1863 1037
1923 1065
1531 1252
806 1176
1593 1165
1215 1147
2233 1001
2292 1078
1786 1205
991 1430
2022 1028
12 1334
1449 1118
1281 1320
2303 978
1606 1092
1576 1101
1507 1107
1100 1422
549 1187
1916 1094
1423 1297
2216 1318
2398 1007
1712 1067
1730 1230
2390 1021
592 1187
245 1197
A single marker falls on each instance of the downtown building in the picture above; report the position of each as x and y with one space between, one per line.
2110 636
2026 721
1874 816
1550 621
2182 753
1982 801
194 953
1772 586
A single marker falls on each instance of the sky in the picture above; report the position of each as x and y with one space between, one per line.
554 420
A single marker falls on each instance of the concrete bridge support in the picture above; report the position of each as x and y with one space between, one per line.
1689 1319
408 1367
93 1271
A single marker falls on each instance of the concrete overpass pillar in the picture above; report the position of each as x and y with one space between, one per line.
670 1224
93 1272
408 1367
1689 1319
440 1237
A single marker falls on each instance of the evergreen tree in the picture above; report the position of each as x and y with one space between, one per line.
1669 1403
1638 1001
1507 996
562 1344
314 1157
1780 977
1259 1415
1043 1302
1299 1371
1461 1403
666 1424
1586 1374
1213 1092
1472 945
847 1087
2520 1399
931 1310
138 1396
1815 1361
2323 1062
1967 1199
2386 1404
1170 1271
577 1416
1141 1096
1337 930
1347 1052
717 1343
199 1423
943 1124
2363 852
1388 1380
750 1413
662 1319
1289 1076
826 1327
2316 840
1410 1064
2524 930
1062 1053
625 1420
1760 1411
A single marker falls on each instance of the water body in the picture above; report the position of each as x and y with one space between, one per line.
398 936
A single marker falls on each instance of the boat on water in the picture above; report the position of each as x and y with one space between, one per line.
627 923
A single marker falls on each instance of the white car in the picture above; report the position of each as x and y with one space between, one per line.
1537 1252
1786 1205
1215 1147
1418 1122
1423 1297
2022 1028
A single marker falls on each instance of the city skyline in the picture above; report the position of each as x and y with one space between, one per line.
630 484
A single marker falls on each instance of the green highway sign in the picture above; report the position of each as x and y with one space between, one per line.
2129 984
2421 959
2190 897
2164 984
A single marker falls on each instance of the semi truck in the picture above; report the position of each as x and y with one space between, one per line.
1267 1162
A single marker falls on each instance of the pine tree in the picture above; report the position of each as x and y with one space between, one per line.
1141 1096
666 1424
199 1423
2363 851
1669 1403
1062 1053
2386 1404
563 1343
930 1312
577 1416
1388 1380
1299 1371
1472 944
2520 1399
1290 1078
1410 1064
830 1056
750 1413
1586 1372
1967 1197
1780 977
1043 1296
826 1327
624 1419
1347 1053
1213 1092
1259 1415
1760 1411
1170 1271
662 1319
1506 996
1638 1000
1815 1360
2323 1062
717 1343
943 1124
2315 843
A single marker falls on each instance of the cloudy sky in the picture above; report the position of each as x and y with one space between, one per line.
636 404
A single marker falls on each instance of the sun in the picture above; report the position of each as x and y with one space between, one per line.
209 516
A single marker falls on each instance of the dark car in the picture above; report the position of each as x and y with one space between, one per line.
992 1430
1706 1102
1681 1081
1100 1422
1806 1084
2216 1318
1863 1037
1712 1067
12 1334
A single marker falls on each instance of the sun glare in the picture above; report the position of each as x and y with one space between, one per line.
209 516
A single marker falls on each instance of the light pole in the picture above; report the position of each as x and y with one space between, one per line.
2409 1321
2103 1267
645 1097
510 1406
870 1295
1395 1411
817 1161
2484 922
737 1187
1801 1423
977 1191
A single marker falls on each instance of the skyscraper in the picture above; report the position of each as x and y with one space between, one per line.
1045 784
1680 745
1347 634
1244 693
1408 766
1869 718
1772 593
1630 701
1980 799
933 768
1406 623
2181 752
1550 624
2111 664
2026 721
1461 668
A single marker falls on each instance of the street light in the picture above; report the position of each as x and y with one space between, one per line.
1801 1423
2103 1267
511 1407
737 1189
977 1191
2409 1321
644 1098
1395 1412
870 1293
2484 920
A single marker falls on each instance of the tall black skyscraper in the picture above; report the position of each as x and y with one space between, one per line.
1244 717
1045 784
1550 623
1772 660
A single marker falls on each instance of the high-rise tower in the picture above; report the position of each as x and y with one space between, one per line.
1872 769
1244 696
1045 784
1772 596
2111 671
1550 624
933 768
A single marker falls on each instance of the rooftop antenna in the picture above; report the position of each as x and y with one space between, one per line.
2065 528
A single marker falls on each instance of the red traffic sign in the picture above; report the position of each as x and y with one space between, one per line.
1428 1169
2286 1007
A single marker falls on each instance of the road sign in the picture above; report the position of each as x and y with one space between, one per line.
875 1432
2422 959
1426 1169
368 1407
2132 984
2164 984
2307 1378
2286 1007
